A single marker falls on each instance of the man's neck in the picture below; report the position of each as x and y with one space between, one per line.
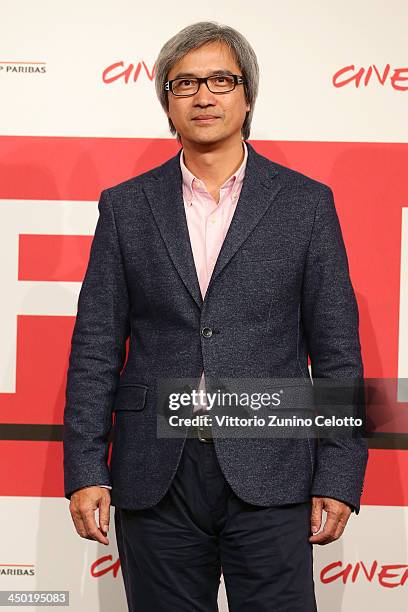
214 166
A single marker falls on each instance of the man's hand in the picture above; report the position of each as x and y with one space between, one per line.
83 504
337 516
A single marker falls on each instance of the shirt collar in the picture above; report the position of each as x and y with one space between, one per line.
189 177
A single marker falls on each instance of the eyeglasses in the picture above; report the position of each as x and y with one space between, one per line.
220 84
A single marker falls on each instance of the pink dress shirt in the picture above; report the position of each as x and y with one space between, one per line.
208 222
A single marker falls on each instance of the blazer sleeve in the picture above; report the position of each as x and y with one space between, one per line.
98 351
331 323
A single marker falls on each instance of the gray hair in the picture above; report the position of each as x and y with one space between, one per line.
196 35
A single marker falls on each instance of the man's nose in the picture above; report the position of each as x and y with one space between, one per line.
204 95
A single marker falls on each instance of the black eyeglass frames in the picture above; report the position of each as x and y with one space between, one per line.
218 84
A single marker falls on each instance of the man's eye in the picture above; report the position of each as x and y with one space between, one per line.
185 83
223 81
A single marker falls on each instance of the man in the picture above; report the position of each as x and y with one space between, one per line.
217 263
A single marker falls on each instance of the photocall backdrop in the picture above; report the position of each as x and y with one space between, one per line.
79 114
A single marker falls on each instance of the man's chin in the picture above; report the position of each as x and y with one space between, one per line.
203 139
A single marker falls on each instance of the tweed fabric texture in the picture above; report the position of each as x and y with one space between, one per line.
280 290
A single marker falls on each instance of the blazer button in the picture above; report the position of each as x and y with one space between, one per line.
207 332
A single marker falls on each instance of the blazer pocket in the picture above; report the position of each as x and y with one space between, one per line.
130 397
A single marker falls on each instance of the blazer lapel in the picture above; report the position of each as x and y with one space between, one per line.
259 189
164 192
165 195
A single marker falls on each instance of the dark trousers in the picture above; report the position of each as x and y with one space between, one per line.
172 554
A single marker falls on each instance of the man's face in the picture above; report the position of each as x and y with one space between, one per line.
228 109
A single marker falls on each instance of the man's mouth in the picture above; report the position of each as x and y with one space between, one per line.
204 118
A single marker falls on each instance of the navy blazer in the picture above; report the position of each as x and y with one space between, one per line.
280 291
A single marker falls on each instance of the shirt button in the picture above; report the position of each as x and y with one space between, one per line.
206 332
